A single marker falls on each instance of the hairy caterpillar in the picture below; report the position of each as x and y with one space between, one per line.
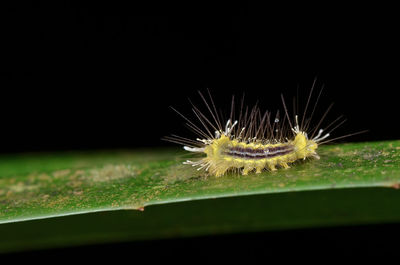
254 141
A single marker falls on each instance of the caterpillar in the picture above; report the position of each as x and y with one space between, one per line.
254 142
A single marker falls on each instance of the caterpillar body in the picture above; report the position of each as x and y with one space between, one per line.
253 142
225 152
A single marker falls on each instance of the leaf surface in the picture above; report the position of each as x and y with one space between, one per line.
37 186
46 185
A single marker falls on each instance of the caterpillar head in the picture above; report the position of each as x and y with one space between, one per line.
307 147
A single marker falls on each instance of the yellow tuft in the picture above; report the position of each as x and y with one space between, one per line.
304 147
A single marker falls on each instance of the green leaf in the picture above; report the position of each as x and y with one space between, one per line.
36 186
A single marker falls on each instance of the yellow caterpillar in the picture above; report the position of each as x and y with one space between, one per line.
254 142
224 152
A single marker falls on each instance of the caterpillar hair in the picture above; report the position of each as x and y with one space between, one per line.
256 140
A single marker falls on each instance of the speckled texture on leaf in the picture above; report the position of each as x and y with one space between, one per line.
36 186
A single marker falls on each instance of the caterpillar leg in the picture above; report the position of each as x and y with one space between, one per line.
220 172
246 170
271 167
284 165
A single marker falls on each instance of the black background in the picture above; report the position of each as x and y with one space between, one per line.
315 245
80 76
95 76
